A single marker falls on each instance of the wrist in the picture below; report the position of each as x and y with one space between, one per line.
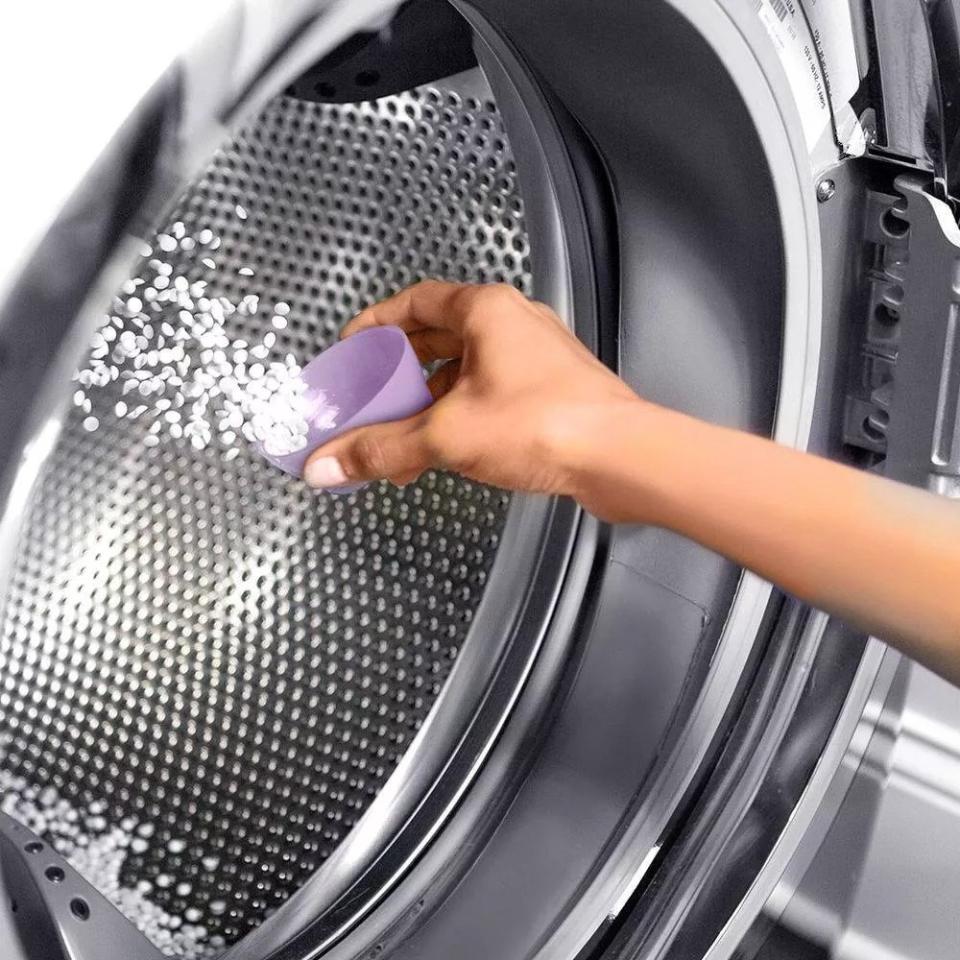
619 463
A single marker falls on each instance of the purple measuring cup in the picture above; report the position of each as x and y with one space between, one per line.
372 377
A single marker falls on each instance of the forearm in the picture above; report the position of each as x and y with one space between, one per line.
879 554
524 405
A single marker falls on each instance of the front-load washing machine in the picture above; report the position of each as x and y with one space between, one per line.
238 719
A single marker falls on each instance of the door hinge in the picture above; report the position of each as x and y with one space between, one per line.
904 394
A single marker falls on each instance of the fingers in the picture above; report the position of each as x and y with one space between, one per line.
443 380
435 305
430 345
429 303
397 451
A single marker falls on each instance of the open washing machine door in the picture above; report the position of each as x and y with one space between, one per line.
444 722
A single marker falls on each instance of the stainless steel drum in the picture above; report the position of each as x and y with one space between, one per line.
207 656
440 723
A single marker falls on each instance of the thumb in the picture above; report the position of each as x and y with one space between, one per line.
396 451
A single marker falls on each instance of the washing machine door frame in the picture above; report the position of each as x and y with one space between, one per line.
143 167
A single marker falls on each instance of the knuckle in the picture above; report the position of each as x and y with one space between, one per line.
421 292
503 295
438 290
463 297
465 305
483 304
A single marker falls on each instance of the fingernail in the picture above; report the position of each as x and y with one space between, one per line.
324 472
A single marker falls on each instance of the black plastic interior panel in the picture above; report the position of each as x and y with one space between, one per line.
425 41
924 263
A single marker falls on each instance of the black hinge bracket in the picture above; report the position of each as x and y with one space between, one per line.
902 404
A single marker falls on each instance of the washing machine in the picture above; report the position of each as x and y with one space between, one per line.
241 719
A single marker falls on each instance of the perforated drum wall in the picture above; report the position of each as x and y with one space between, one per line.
208 648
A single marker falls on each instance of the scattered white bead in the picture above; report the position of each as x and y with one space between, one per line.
99 852
185 355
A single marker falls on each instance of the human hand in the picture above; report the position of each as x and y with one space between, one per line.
522 404
519 401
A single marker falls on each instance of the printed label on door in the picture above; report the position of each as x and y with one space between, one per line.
832 30
795 45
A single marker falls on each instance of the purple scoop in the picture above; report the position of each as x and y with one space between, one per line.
372 377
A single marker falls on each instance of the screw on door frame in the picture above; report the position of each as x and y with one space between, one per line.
825 190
